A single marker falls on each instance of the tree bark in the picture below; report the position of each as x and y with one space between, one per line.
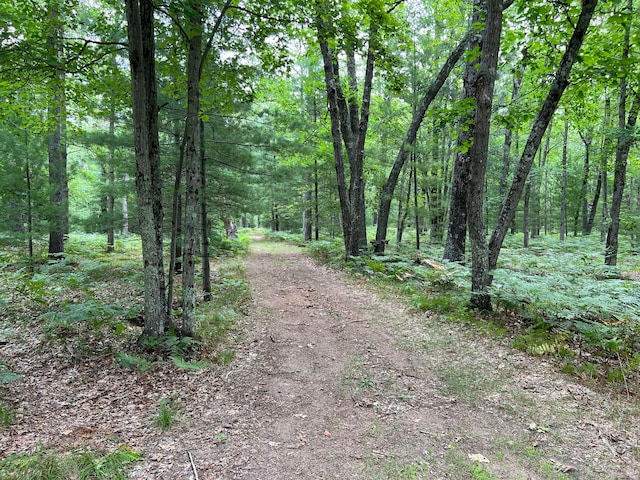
540 124
111 185
140 31
192 167
455 243
563 185
622 154
57 146
204 220
349 124
484 86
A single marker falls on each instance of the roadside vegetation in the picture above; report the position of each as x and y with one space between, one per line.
554 299
87 306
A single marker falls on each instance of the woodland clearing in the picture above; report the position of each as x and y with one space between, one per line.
330 379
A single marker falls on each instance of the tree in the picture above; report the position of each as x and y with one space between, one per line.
455 243
484 86
57 149
349 117
409 139
540 124
140 30
625 140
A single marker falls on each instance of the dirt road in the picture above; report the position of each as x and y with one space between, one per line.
330 380
333 382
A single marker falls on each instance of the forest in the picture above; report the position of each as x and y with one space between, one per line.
477 157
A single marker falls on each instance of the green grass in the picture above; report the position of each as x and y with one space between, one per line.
167 415
7 416
393 468
77 465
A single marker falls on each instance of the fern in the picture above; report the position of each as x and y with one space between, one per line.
131 362
185 365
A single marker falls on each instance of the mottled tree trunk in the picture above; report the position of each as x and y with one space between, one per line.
455 243
484 86
192 167
204 220
563 183
57 147
148 183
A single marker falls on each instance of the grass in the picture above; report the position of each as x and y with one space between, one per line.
77 465
468 383
395 468
7 416
167 415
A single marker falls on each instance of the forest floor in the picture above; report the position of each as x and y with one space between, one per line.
333 380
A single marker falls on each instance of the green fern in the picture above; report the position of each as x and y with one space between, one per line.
185 365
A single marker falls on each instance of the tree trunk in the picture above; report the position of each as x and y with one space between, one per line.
125 209
27 173
582 211
625 140
478 152
57 147
403 204
316 202
563 186
455 244
192 167
204 221
111 179
140 31
540 124
307 223
349 124
175 249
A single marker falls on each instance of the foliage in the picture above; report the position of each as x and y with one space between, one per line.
82 465
6 376
131 362
181 363
90 314
328 252
228 247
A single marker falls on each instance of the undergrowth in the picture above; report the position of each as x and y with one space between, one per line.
78 465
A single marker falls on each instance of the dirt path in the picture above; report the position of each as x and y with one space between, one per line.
333 382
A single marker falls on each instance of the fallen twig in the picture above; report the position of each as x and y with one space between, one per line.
193 466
